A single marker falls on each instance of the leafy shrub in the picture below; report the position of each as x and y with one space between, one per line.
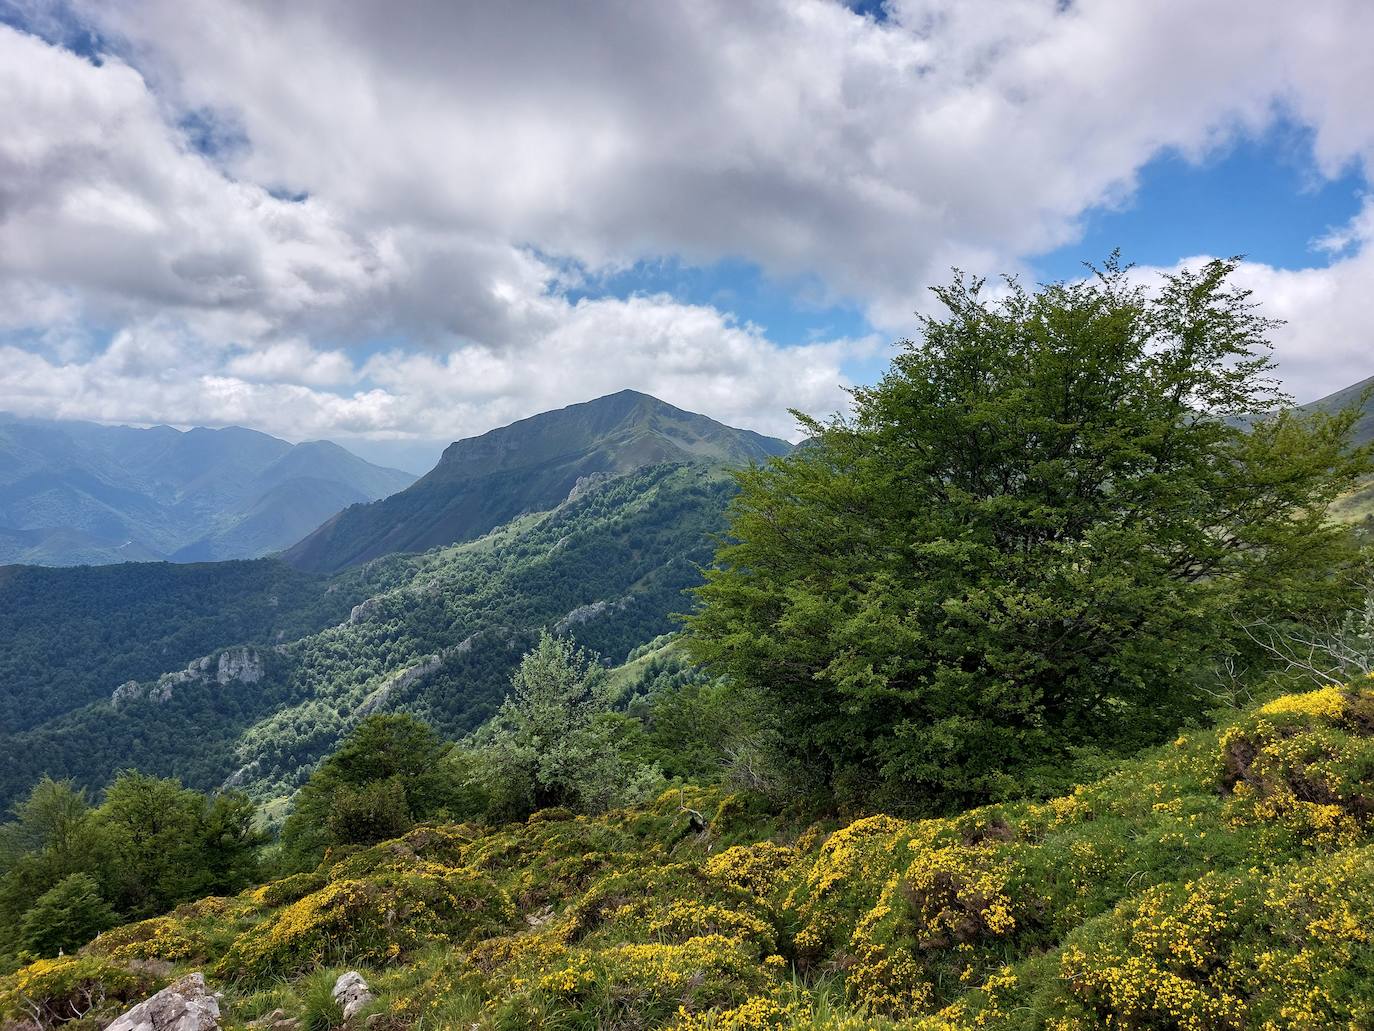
288 889
162 937
1303 765
65 916
57 991
1287 949
370 920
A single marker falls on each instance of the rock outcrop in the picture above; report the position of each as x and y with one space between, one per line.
184 1005
364 610
239 664
242 664
595 610
351 993
398 682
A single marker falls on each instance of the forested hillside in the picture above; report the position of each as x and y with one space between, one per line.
72 636
435 634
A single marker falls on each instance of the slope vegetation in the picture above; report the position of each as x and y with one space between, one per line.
436 634
1223 881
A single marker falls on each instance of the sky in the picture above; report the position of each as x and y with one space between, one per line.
394 225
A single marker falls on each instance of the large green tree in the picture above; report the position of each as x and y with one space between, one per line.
1027 537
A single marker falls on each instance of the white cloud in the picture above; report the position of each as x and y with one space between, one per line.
440 151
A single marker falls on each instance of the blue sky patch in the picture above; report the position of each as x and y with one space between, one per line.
1262 197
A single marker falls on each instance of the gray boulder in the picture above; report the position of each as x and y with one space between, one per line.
183 1005
351 993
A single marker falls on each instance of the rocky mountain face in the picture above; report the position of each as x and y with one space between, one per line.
75 493
528 466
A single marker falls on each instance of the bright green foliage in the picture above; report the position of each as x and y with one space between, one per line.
388 773
166 843
52 837
1027 540
68 870
556 740
65 916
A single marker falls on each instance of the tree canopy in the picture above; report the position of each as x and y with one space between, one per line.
69 869
388 773
1028 537
558 740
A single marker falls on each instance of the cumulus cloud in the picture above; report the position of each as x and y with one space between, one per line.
328 219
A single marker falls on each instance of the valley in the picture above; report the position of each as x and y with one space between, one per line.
633 498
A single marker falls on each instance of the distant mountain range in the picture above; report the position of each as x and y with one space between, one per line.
75 493
529 466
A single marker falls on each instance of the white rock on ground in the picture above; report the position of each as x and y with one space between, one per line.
183 1005
352 993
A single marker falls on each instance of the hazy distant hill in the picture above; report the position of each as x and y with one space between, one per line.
528 466
1351 395
75 493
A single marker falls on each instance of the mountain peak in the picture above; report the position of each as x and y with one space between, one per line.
528 465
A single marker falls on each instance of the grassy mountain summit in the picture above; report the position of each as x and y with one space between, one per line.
529 466
74 493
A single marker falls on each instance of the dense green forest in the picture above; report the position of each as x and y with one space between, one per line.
73 635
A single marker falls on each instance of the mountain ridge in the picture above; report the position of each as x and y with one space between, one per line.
529 465
1346 397
80 493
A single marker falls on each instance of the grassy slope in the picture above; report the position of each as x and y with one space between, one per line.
1226 880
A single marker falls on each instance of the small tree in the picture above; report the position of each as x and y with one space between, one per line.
1026 538
54 819
66 917
556 740
390 772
